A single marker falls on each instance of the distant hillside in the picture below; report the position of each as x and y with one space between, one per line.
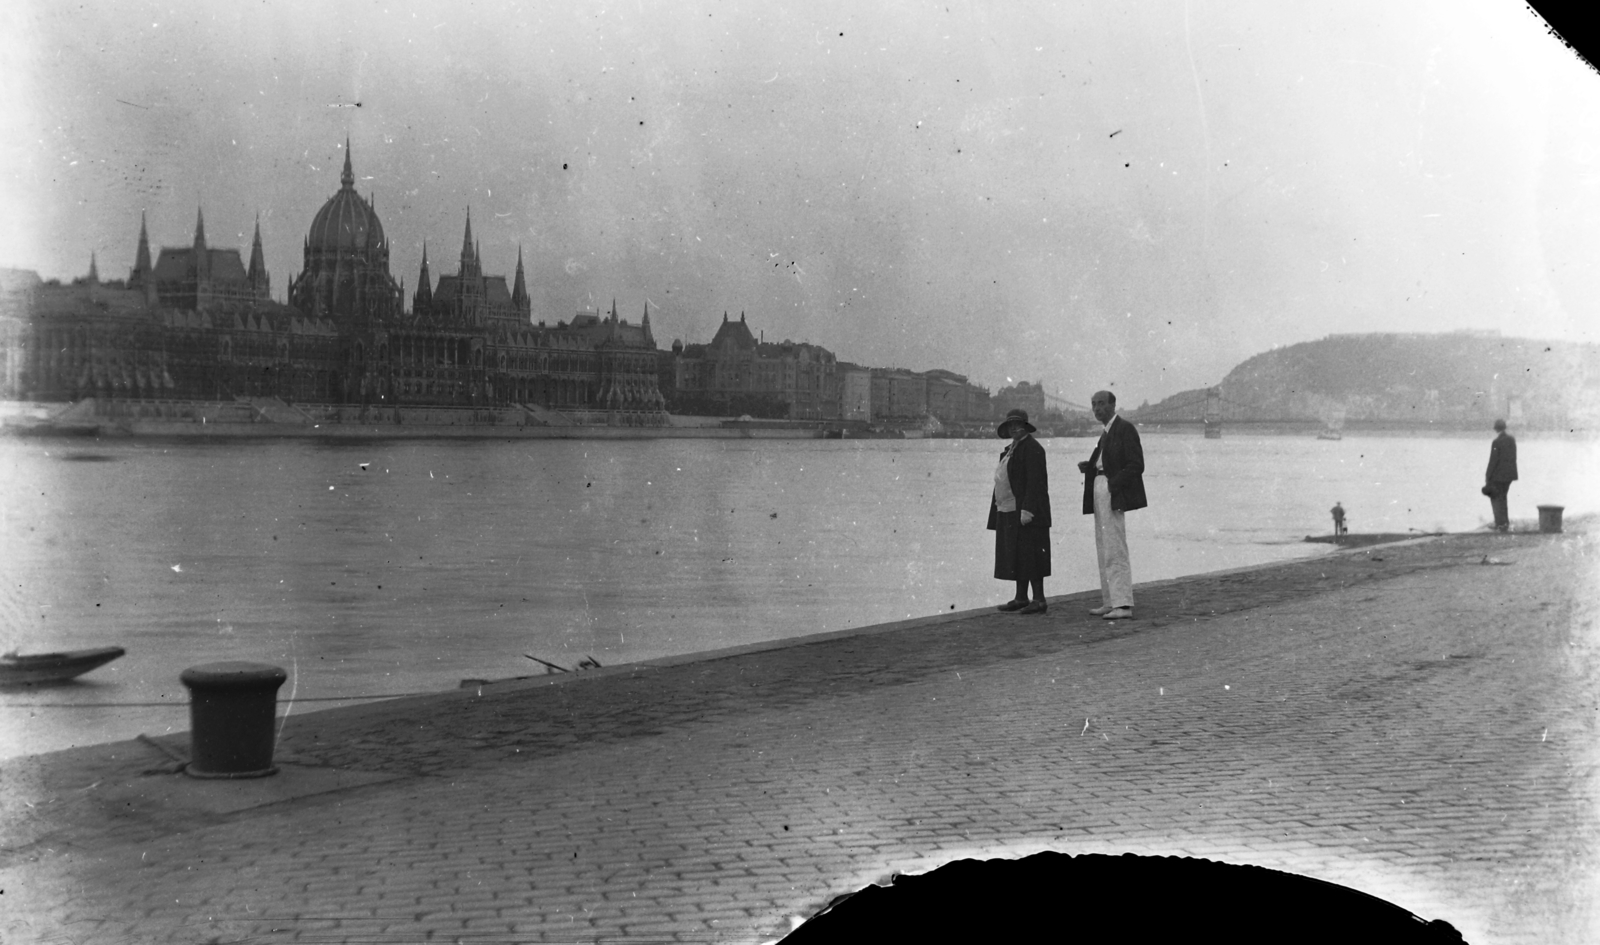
1458 378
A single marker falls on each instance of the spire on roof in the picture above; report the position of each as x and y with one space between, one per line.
202 255
257 275
347 177
519 288
422 302
141 256
94 267
467 254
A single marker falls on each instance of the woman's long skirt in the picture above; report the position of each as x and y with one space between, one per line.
1021 552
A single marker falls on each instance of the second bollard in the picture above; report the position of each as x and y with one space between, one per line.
1550 518
231 709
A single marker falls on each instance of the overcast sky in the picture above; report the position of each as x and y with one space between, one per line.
1090 194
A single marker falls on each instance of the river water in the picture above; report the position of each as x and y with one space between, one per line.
379 568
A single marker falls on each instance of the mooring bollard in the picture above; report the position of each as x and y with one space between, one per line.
1550 518
231 709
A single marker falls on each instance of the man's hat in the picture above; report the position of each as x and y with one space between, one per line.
1500 425
1014 415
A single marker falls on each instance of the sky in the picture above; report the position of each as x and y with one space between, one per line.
1127 196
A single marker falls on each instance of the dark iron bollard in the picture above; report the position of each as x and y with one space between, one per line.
231 709
1550 518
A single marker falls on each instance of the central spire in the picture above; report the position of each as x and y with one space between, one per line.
469 253
348 177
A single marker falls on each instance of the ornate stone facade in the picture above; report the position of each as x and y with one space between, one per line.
198 324
736 373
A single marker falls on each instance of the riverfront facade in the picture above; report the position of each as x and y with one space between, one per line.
197 323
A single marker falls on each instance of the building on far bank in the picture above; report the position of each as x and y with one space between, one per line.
1029 397
198 324
855 392
955 400
735 373
899 396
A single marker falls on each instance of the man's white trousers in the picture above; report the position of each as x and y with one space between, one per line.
1111 548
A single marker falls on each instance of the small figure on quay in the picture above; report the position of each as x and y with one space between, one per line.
1502 472
1113 484
1019 515
1338 519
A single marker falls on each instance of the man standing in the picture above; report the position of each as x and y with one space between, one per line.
1502 472
1113 483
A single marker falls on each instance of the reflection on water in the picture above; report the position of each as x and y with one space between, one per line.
394 567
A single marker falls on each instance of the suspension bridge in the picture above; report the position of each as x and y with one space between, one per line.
1211 410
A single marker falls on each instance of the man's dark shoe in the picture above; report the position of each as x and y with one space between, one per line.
1012 605
1035 607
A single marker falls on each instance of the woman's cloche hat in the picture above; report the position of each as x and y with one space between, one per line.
1014 415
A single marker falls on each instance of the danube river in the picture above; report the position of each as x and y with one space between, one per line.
381 568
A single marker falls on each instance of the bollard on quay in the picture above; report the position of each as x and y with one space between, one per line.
1550 518
231 709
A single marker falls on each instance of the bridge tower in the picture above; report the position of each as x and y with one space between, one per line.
1213 413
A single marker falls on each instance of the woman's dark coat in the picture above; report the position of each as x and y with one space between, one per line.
1029 483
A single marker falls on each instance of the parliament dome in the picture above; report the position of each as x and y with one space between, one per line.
346 275
346 224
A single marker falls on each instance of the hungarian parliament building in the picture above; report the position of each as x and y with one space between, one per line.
198 323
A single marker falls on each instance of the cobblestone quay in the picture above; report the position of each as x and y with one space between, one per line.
1416 721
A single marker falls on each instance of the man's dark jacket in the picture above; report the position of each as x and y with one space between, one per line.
1502 460
1029 483
1124 462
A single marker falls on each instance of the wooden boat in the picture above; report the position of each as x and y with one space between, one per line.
38 668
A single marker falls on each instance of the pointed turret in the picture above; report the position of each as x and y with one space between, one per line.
422 302
645 324
202 255
519 290
347 177
141 258
94 268
260 281
468 254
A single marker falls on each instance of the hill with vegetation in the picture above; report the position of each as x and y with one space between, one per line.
1456 379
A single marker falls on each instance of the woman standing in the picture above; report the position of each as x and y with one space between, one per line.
1019 515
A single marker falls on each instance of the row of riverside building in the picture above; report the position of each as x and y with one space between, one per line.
196 323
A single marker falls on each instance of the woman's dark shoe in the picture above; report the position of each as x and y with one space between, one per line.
1012 605
1035 607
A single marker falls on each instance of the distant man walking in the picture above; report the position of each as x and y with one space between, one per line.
1338 519
1502 472
1113 484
